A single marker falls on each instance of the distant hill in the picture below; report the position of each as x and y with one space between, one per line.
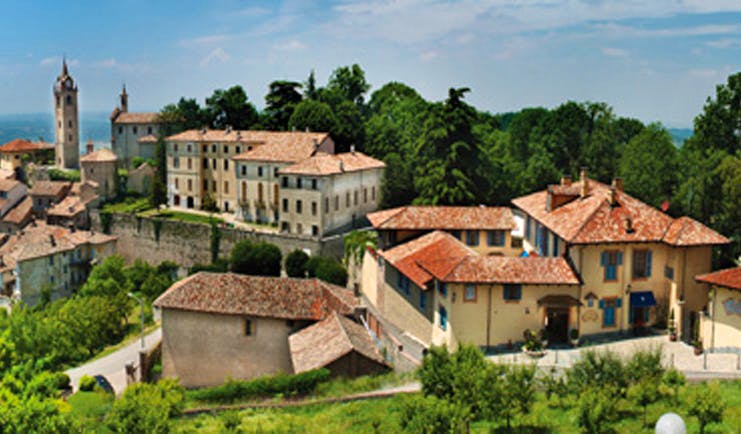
93 125
679 135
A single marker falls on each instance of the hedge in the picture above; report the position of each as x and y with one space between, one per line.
232 390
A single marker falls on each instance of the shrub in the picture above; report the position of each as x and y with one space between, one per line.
671 383
596 410
643 393
220 266
597 369
706 404
87 383
146 408
259 259
328 270
231 420
232 390
433 415
645 364
296 263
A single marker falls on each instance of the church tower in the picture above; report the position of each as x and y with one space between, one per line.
66 121
124 100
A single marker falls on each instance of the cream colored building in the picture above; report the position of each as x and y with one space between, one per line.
43 257
329 192
14 153
211 163
100 167
133 134
720 326
141 179
217 326
66 121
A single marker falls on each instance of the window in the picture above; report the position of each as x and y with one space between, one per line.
51 260
149 130
641 264
527 227
174 147
555 246
314 208
177 186
403 284
205 163
298 206
248 329
213 185
337 202
226 149
373 193
136 130
355 198
188 147
347 200
226 187
285 227
284 182
668 272
512 292
456 234
226 164
442 288
69 99
610 260
213 149
285 205
244 191
544 241
238 150
204 148
259 171
313 184
190 164
443 317
275 172
69 124
299 228
326 205
244 170
190 185
205 185
608 306
213 163
422 300
120 130
472 238
298 183
314 230
469 293
365 195
495 238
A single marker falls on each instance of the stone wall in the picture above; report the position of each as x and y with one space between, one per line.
189 243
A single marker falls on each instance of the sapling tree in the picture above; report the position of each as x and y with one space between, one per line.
706 404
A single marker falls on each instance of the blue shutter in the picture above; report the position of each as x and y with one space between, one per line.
620 258
519 292
648 263
619 302
645 315
602 304
527 227
603 259
555 246
630 316
609 317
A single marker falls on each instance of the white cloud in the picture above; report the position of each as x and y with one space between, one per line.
205 40
57 61
216 56
612 29
428 56
614 52
107 63
723 43
292 45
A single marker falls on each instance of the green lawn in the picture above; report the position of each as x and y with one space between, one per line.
383 416
89 408
128 206
181 216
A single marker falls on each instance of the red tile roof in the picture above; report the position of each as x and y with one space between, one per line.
504 270
729 278
135 118
329 340
322 164
20 213
50 188
149 138
8 184
282 147
99 156
436 245
593 219
270 297
443 217
23 145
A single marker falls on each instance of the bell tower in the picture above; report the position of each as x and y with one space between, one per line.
124 106
66 121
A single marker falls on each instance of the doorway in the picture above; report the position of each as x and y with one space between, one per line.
557 327
176 200
191 203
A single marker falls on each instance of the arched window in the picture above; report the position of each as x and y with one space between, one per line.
69 99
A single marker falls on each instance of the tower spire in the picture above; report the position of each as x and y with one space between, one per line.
65 72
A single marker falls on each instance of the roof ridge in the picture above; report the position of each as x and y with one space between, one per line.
589 218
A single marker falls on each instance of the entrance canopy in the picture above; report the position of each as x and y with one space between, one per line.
559 301
642 299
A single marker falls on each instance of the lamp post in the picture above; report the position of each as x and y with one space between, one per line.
141 304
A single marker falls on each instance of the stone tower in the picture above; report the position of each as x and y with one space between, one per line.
66 121
124 100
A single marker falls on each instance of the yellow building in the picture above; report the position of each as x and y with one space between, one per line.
720 327
14 153
636 262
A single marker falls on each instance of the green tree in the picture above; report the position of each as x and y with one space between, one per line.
649 165
643 393
432 415
296 263
716 128
596 410
349 127
186 114
347 83
260 259
518 392
706 403
231 107
331 271
159 185
356 243
310 89
314 116
397 186
280 102
109 280
146 408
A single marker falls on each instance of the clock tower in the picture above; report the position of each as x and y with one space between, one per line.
66 122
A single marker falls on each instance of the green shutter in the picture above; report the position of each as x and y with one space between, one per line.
648 263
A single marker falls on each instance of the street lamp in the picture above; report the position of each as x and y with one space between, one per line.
141 304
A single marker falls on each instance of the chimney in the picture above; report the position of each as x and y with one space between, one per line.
228 129
203 131
617 184
352 149
611 198
565 181
51 240
628 224
584 184
307 130
342 166
90 146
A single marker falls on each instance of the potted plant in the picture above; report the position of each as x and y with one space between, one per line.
697 343
574 337
672 327
533 346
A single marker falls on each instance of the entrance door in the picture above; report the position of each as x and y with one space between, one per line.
558 325
639 320
191 203
176 200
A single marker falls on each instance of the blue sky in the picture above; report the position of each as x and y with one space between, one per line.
655 60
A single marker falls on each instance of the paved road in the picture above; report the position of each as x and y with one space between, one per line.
113 365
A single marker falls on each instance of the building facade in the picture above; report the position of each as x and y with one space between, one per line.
12 153
100 167
66 121
720 325
133 134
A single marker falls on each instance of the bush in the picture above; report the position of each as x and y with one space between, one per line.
598 369
433 415
146 408
220 266
232 390
296 263
596 410
87 383
259 259
706 404
327 269
645 364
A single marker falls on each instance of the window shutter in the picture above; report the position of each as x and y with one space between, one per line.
645 315
602 304
630 316
519 292
648 264
619 302
620 258
603 259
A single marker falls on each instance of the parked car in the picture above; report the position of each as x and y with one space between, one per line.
104 384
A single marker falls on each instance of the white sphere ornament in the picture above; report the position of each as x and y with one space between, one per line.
670 423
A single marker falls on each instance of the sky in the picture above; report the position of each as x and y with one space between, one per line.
653 60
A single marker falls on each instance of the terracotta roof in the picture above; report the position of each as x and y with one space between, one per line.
438 246
7 174
21 212
322 164
729 278
505 270
271 297
135 118
284 147
35 241
593 219
328 340
99 156
70 206
443 217
149 138
49 188
23 145
9 184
